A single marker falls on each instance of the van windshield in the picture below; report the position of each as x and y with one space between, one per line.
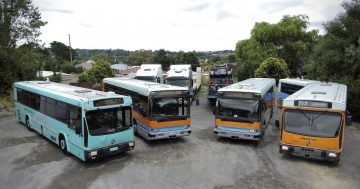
146 78
108 121
178 82
312 123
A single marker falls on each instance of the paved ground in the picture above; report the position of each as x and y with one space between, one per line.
199 161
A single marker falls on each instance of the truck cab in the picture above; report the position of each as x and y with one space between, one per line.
150 72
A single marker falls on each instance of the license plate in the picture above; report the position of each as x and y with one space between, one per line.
114 149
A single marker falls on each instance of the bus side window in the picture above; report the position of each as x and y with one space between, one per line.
74 117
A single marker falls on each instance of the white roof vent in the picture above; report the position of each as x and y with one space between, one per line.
44 82
318 92
83 91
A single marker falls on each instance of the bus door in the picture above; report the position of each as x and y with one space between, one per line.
76 141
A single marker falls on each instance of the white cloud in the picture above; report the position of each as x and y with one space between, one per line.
172 25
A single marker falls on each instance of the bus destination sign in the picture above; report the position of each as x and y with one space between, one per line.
313 104
107 102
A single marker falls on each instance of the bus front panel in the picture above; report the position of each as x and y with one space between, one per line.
312 133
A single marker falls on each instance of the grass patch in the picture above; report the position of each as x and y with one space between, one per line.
6 102
203 91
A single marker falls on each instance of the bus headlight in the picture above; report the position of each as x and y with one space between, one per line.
155 130
131 144
252 131
333 155
285 148
93 153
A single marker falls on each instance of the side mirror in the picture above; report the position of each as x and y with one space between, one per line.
214 111
77 129
277 124
197 101
348 118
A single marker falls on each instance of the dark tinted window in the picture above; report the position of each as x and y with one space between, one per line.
50 107
61 111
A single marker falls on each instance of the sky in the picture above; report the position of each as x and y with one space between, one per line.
187 25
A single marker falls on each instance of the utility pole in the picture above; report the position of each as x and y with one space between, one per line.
70 51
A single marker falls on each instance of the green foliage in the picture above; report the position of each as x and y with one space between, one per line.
68 68
20 22
160 57
287 39
61 51
337 55
139 57
273 68
97 73
187 58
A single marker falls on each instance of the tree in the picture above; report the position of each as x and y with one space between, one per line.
337 55
20 22
288 39
61 51
97 73
273 68
160 57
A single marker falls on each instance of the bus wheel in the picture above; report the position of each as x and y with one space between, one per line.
62 144
27 123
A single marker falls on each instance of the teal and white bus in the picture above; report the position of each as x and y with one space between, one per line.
87 123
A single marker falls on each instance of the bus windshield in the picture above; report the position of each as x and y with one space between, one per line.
239 109
178 82
169 108
107 121
312 123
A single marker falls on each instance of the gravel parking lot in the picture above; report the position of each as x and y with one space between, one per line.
201 160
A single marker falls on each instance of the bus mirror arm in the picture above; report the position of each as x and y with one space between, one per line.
277 124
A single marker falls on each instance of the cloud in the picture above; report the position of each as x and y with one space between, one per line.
85 25
64 11
222 14
279 5
197 7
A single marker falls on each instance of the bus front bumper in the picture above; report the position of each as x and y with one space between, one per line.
109 151
238 133
310 153
184 131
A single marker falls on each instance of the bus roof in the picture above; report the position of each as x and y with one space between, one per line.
298 81
333 93
66 91
252 85
140 86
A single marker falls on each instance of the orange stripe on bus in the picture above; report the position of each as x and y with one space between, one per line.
157 124
254 125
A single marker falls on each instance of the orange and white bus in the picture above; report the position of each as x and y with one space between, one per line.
243 109
313 122
159 110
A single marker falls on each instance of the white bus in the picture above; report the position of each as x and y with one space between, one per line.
87 123
160 110
288 86
150 72
243 109
313 122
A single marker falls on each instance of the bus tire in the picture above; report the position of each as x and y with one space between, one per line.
62 144
27 123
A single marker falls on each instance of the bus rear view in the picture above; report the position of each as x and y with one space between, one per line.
313 122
